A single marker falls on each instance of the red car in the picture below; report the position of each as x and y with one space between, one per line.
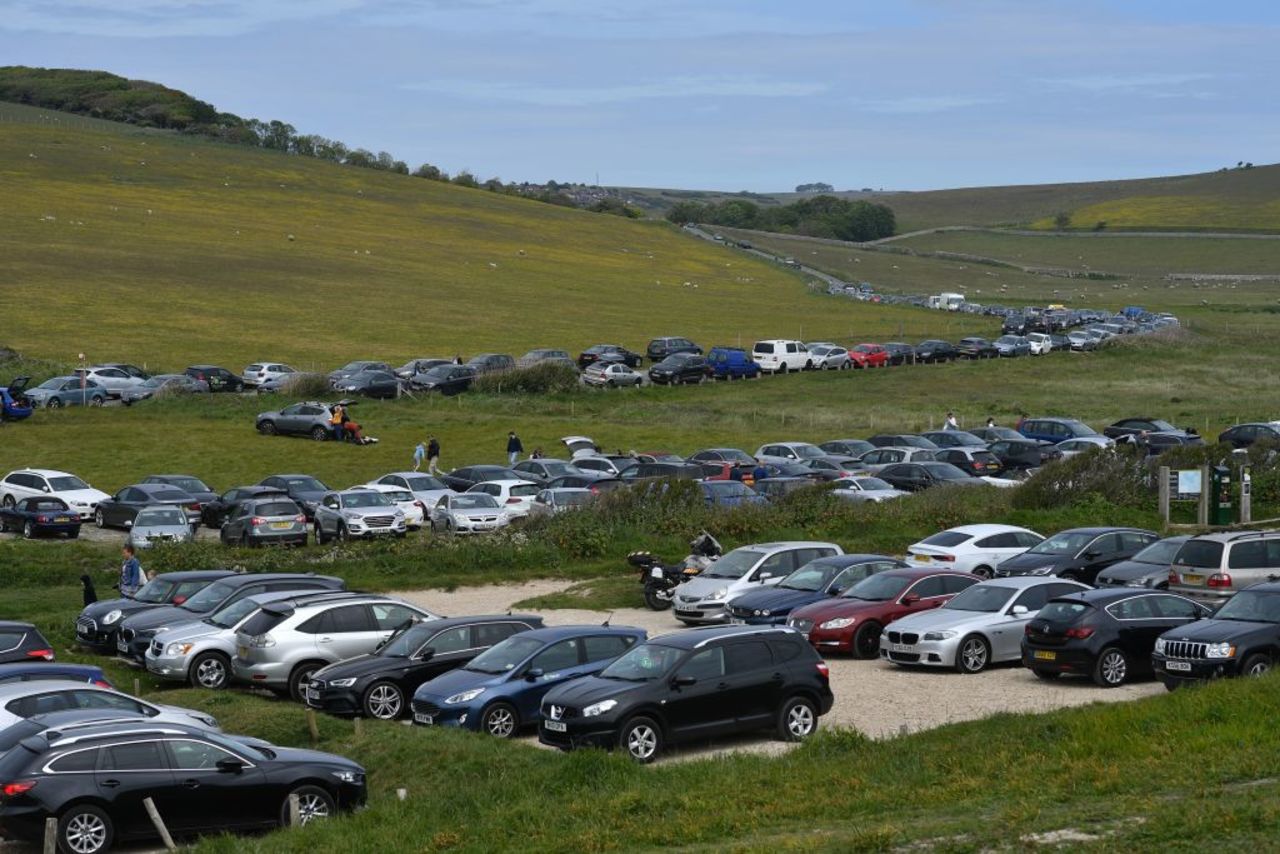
718 470
869 356
852 621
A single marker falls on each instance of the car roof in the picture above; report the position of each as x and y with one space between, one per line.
979 530
1023 581
1104 529
42 472
551 634
240 579
505 482
13 690
15 624
196 575
1107 595
453 622
1234 536
694 638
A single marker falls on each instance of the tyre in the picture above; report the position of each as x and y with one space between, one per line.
209 670
85 829
321 537
319 434
383 701
73 534
9 501
973 655
983 571
299 678
96 401
313 803
344 535
797 719
641 738
1111 668
500 720
808 366
98 518
866 640
783 369
245 542
54 403
267 428
29 530
1046 675
1256 665
657 600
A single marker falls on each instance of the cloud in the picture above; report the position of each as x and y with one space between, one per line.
921 104
574 96
163 18
1127 82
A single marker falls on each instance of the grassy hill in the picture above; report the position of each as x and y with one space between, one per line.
168 249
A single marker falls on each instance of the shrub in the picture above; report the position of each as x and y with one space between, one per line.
308 385
542 378
1119 475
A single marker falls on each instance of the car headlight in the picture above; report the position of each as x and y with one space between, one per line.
112 617
1220 650
207 720
1040 570
766 612
342 683
938 636
598 708
346 776
464 696
1160 645
719 594
178 648
839 623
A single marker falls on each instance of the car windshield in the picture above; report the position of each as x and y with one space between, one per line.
155 591
53 384
1251 606
643 663
160 516
353 366
425 484
808 452
1161 552
871 484
559 469
573 499
946 539
735 564
1066 543
155 382
945 471
1163 426
439 372
406 642
365 499
46 504
229 616
478 501
810 577
525 489
305 484
190 484
1079 428
1006 339
983 598
878 588
67 483
208 598
505 656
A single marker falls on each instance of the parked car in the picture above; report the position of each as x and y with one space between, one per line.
39 670
488 363
993 434
832 467
381 683
608 353
1054 429
36 517
788 452
852 622
14 404
1107 635
722 455
876 461
350 369
830 357
1040 342
561 499
900 353
311 418
356 514
593 482
445 379
703 598
611 375
778 356
1012 345
901 440
777 486
544 469
1024 454
663 471
261 372
277 647
1078 554
1081 341
1075 447
413 367
253 785
160 524
933 350
376 384
729 493
1246 435
23 642
302 488
426 488
732 363
276 519
118 511
462 479
414 510
816 581
1212 567
609 466
190 484
981 626
680 368
1240 639
538 357
869 356
954 439
515 496
500 691
218 379
1148 568
669 690
864 488
978 462
915 476
847 447
50 483
21 700
163 385
472 513
661 348
98 623
58 392
114 380
976 348
213 514
973 548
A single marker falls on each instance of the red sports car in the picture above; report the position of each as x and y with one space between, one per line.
869 356
852 621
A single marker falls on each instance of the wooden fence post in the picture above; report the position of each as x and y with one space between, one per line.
295 811
50 835
159 823
313 727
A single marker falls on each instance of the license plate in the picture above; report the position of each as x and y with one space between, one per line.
421 718
921 558
1178 665
281 526
1044 655
555 726
242 652
1188 578
61 518
900 647
737 621
655 572
313 694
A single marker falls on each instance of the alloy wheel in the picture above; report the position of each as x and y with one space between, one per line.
642 742
211 673
974 655
311 806
85 833
1113 667
500 722
1259 668
384 702
800 720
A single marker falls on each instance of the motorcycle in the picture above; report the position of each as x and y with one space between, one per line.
660 580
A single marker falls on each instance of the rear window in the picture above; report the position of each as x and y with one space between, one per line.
1204 554
763 347
278 508
946 538
1063 612
263 622
526 489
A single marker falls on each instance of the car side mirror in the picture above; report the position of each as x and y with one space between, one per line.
128 523
533 674
1019 610
230 766
910 599
427 654
1091 555
683 681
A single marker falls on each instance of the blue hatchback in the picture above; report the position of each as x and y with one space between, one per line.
732 363
817 580
501 690
14 406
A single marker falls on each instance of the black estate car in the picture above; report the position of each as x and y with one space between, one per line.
23 642
1241 639
1105 634
692 684
608 353
1078 553
680 368
928 352
94 781
218 379
379 685
98 623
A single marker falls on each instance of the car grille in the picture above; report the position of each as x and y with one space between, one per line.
566 712
801 625
86 626
740 612
689 600
425 708
1185 649
127 635
157 648
379 521
905 657
909 638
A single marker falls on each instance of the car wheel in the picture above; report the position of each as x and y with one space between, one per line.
1256 665
1046 675
797 719
54 403
973 655
783 369
267 428
244 541
9 502
321 539
866 641
96 401
299 678
343 534
29 530
1111 668
642 739
208 670
983 571
98 519
319 434
383 701
500 720
808 366
313 803
84 829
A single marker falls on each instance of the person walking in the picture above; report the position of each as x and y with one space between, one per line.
759 473
419 454
130 573
951 423
514 448
433 455
735 472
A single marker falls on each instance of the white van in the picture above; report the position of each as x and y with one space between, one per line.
781 356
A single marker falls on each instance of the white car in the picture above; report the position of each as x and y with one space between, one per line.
880 458
580 446
972 548
1041 343
21 700
115 380
426 488
260 372
780 355
30 483
514 496
789 452
704 598
1080 444
415 512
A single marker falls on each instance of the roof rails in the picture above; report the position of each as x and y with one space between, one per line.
56 736
1244 535
743 630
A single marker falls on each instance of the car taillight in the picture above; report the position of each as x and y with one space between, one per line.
1080 633
102 683
300 518
195 507
1219 579
42 518
257 520
823 670
944 558
1174 578
419 505
42 654
513 500
18 787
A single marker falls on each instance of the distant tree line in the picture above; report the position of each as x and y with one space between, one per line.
815 187
138 102
820 216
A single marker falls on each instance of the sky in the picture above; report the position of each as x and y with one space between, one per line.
756 95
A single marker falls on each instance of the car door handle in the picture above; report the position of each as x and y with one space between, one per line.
109 784
723 686
777 677
326 640
191 784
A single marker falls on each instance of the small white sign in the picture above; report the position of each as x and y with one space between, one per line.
1188 481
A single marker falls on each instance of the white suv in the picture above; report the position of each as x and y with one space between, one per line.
782 355
115 380
260 372
30 483
1041 343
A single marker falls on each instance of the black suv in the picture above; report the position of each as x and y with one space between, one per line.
681 368
608 353
94 780
1078 553
661 348
932 351
692 685
98 623
1241 639
137 631
219 379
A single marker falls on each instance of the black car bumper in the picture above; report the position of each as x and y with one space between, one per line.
1176 671
580 732
1057 659
334 701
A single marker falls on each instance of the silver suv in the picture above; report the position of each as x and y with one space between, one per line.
281 645
357 513
1212 567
